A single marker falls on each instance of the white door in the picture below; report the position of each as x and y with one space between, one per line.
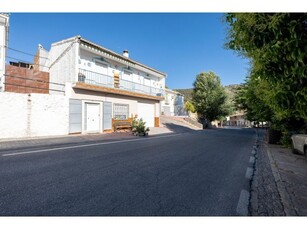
146 111
92 117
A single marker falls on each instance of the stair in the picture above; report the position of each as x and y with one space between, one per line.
193 122
180 122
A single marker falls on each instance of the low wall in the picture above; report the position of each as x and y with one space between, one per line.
30 115
23 80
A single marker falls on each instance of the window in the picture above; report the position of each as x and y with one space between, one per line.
101 64
121 111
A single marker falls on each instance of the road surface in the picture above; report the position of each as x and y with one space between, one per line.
196 173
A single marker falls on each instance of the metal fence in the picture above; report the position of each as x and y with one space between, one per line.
94 78
99 79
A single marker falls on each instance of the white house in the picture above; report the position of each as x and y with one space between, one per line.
237 119
102 85
173 103
4 25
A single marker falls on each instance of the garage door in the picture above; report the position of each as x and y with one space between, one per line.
146 111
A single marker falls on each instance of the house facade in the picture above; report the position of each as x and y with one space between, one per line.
4 25
173 104
102 86
237 119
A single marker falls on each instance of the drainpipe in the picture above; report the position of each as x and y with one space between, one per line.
4 48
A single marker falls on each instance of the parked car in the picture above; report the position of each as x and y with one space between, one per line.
299 144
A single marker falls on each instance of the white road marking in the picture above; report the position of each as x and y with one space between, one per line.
86 145
242 207
249 173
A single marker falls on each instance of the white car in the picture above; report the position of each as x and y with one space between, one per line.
299 144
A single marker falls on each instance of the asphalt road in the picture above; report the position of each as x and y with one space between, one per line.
197 173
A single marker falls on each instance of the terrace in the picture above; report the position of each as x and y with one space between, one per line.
100 82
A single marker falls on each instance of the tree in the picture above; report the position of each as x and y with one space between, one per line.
250 98
276 45
209 97
189 106
231 91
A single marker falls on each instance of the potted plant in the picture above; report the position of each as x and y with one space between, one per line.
139 128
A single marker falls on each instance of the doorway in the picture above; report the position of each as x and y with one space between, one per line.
92 117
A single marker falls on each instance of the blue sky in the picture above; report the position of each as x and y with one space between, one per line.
179 44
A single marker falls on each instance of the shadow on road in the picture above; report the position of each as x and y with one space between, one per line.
178 128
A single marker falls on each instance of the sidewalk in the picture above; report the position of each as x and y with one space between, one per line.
19 143
290 173
279 182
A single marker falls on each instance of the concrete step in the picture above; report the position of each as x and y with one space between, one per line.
178 121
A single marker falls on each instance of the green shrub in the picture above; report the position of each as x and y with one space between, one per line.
138 127
189 106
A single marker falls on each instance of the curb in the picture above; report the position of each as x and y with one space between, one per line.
253 200
282 190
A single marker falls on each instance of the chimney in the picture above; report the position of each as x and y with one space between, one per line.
126 53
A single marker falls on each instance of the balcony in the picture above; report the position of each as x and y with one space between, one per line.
101 82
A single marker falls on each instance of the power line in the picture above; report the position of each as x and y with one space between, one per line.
29 85
23 52
36 80
33 87
17 59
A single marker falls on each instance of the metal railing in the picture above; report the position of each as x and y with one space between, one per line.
139 88
94 78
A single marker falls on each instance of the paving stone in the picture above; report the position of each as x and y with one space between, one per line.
265 199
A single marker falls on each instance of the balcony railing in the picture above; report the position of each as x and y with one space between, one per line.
94 78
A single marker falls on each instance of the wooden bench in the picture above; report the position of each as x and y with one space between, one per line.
122 125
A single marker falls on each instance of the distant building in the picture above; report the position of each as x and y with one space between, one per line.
173 104
237 119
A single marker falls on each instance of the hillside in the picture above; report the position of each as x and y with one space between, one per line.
186 92
230 90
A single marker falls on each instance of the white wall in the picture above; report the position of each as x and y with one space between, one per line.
43 59
30 115
87 62
170 97
63 59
